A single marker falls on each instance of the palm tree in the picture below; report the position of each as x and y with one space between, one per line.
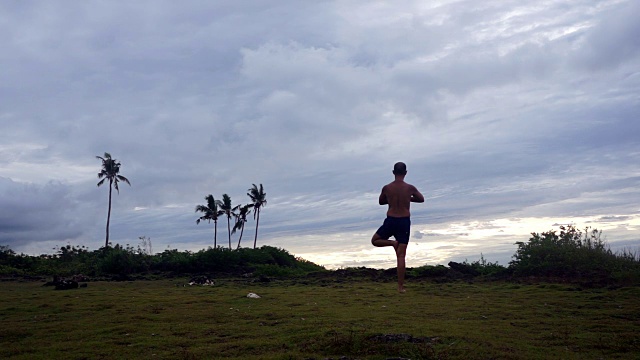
210 212
241 219
259 199
111 171
227 209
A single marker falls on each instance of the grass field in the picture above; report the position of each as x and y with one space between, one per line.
318 319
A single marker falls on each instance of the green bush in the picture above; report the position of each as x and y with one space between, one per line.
570 253
8 270
307 266
174 260
429 271
116 260
280 257
486 268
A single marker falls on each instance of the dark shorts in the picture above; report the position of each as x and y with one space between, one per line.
399 228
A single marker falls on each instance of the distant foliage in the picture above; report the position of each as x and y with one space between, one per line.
571 253
486 268
429 271
124 261
120 260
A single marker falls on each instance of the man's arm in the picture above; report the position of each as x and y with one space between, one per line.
382 200
416 196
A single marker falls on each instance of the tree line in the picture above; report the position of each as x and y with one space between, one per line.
211 211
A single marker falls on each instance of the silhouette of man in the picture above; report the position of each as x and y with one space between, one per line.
398 195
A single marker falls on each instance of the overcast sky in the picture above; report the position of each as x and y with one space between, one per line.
512 118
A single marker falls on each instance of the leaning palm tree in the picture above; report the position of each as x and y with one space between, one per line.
227 209
110 171
210 212
259 199
241 219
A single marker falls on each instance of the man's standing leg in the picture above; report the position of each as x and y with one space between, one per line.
401 251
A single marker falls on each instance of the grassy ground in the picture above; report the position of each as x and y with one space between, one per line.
318 319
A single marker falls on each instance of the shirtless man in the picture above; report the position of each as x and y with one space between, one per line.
398 195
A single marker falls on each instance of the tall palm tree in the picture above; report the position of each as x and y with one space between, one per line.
110 171
259 199
227 209
210 212
241 219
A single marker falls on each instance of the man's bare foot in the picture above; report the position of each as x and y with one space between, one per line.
395 245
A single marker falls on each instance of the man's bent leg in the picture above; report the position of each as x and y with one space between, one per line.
401 251
378 241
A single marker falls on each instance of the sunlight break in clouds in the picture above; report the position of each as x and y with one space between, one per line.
439 243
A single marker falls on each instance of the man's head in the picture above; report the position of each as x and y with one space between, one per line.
400 168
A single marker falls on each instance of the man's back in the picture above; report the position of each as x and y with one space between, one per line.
398 195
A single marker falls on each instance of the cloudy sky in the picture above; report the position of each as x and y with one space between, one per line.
512 118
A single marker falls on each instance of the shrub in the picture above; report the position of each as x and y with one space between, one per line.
8 270
280 257
174 260
486 268
116 260
429 271
307 266
570 254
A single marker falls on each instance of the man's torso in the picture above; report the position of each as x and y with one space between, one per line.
398 194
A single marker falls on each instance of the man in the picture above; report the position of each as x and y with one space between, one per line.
398 195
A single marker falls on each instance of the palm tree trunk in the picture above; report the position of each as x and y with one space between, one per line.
255 239
215 234
229 230
240 238
106 242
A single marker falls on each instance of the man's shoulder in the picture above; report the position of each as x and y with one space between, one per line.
398 186
391 185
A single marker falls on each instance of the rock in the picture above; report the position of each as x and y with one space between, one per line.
63 284
201 280
66 285
79 278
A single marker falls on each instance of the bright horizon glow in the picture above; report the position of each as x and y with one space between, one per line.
494 240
